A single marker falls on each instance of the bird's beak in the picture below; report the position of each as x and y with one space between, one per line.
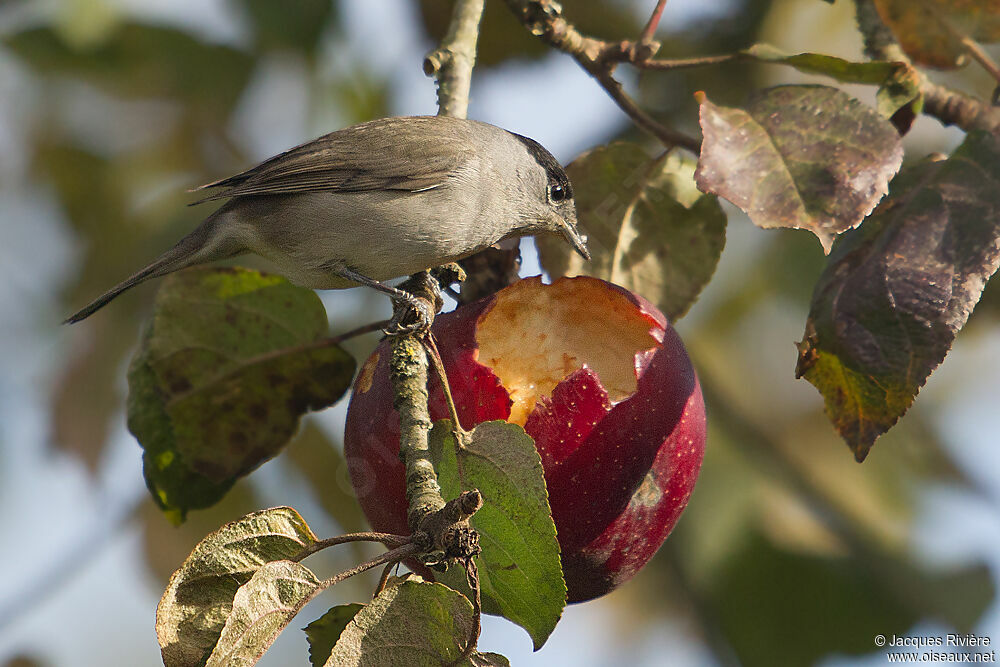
575 239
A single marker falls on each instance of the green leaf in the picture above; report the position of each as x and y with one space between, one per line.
899 85
410 624
324 632
897 291
846 71
231 361
261 609
808 157
520 573
194 608
900 96
144 61
649 229
293 25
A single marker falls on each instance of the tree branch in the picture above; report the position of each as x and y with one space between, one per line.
654 22
408 366
948 106
599 58
451 63
433 521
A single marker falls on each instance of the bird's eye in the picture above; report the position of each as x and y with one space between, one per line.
557 193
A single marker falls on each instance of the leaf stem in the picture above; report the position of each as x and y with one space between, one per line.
472 574
383 579
684 63
388 539
970 45
393 556
980 56
435 355
360 331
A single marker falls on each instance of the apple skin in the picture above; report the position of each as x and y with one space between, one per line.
597 377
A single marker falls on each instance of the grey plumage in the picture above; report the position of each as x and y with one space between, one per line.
375 201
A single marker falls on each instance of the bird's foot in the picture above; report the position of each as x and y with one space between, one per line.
412 315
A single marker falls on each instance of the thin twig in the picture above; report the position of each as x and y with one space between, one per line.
970 45
382 580
388 539
599 58
980 56
472 574
393 556
654 21
265 357
452 62
669 137
685 63
360 331
438 364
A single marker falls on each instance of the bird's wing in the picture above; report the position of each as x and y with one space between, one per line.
407 154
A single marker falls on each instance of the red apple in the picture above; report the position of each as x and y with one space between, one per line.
597 377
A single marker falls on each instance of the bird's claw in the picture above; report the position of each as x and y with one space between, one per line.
414 309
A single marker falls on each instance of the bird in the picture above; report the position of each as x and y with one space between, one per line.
376 201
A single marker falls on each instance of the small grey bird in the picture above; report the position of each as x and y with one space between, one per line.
376 201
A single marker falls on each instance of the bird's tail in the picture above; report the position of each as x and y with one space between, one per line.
198 247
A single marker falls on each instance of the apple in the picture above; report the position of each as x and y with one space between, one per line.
600 380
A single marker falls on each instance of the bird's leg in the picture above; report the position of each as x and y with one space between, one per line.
405 303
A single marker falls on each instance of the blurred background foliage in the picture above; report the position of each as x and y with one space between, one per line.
789 554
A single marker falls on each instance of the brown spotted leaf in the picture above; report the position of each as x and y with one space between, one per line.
194 609
231 360
808 157
930 31
897 290
262 608
648 227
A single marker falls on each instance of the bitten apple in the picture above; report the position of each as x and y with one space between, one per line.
597 377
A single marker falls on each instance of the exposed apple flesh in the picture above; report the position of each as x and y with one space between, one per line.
600 381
